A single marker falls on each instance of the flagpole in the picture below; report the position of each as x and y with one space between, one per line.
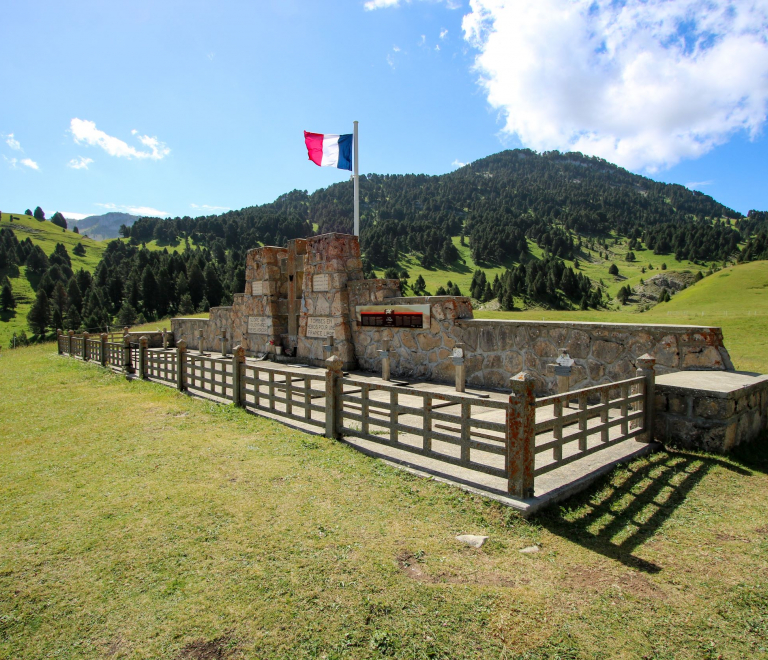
357 184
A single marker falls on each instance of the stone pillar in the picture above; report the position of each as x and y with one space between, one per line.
165 338
333 377
238 362
200 342
521 436
103 352
223 340
332 260
127 364
385 359
143 343
181 365
59 335
459 368
646 368
70 334
86 337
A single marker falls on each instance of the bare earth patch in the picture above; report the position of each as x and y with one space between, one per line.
214 649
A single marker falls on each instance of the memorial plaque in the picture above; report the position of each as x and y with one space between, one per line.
321 282
396 316
259 325
257 288
320 326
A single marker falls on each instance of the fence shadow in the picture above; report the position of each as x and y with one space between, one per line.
626 509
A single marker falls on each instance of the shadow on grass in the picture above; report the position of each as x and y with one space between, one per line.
624 511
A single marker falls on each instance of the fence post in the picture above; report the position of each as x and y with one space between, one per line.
181 355
459 368
385 359
238 360
165 338
103 349
86 336
521 436
59 334
143 341
127 364
646 368
332 403
70 334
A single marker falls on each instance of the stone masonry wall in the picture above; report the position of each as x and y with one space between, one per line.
709 420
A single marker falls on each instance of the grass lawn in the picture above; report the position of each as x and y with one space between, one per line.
141 523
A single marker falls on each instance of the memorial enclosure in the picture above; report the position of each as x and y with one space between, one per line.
313 343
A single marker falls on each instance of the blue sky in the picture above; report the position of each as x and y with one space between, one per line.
188 108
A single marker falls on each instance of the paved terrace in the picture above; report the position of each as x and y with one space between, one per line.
552 486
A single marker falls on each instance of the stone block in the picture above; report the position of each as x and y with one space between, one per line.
488 342
513 363
427 341
578 344
496 379
713 408
544 349
706 357
606 351
493 361
678 405
408 340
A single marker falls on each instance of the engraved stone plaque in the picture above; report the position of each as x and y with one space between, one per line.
321 282
320 326
259 325
257 288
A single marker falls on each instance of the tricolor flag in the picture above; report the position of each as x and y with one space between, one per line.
328 150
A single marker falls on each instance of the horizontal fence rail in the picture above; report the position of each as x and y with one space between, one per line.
515 439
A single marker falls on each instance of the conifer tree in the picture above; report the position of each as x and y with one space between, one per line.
39 316
7 299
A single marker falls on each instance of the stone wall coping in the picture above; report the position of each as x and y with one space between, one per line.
188 318
716 384
423 300
221 307
591 324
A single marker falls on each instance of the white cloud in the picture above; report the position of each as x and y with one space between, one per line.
207 207
391 60
396 48
698 184
86 131
437 46
643 83
12 142
423 39
11 161
443 33
71 215
28 162
458 163
80 163
133 210
370 5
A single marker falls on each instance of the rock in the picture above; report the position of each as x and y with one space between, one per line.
472 541
531 549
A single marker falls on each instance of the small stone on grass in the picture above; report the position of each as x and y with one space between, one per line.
530 549
472 541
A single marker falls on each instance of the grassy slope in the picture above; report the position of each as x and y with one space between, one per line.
735 299
590 263
183 523
46 235
154 246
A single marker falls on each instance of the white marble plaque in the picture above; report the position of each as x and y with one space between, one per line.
321 282
257 288
259 325
320 326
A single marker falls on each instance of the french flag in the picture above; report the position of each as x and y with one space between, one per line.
328 150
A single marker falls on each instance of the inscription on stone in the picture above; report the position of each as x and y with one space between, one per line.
259 325
320 326
257 288
321 282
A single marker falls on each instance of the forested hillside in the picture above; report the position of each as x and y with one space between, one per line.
557 230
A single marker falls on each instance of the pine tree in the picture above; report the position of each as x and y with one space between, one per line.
213 288
149 291
7 299
196 284
127 315
613 270
39 316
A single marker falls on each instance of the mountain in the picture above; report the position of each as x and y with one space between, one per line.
105 226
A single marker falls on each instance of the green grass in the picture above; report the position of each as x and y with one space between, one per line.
141 523
46 235
155 246
735 299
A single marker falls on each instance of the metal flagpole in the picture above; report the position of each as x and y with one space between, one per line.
357 184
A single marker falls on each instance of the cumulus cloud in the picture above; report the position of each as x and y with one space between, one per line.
85 131
12 142
71 215
28 162
643 83
458 163
370 5
80 163
443 33
133 210
695 185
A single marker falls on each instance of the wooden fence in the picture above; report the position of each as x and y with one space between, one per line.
515 439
